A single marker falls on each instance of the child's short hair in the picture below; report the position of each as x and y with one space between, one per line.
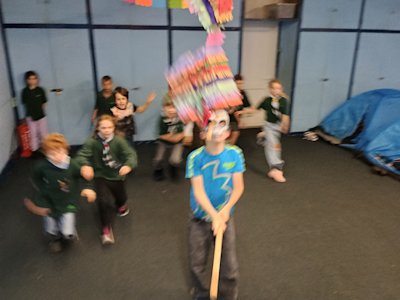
123 91
272 81
167 101
238 77
106 78
105 118
54 141
29 74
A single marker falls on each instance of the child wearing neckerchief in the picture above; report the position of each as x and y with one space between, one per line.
56 184
108 158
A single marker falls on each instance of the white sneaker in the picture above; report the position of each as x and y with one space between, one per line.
107 238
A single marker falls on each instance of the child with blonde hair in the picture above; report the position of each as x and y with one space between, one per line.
277 122
171 135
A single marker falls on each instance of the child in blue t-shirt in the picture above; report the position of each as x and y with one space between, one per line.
216 174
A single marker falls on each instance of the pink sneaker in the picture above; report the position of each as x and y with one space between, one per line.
123 210
276 175
107 238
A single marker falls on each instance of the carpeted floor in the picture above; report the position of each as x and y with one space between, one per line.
331 232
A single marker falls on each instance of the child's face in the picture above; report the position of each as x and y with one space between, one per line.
57 156
218 128
276 89
107 86
32 81
121 101
106 128
170 111
239 84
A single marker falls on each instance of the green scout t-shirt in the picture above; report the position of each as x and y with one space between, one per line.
275 108
104 105
33 99
170 125
57 188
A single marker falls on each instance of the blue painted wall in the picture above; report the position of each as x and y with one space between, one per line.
343 48
72 44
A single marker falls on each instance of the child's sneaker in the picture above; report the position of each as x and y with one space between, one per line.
174 172
123 210
158 175
277 175
107 238
55 246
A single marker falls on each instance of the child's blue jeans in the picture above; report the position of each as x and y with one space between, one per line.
63 226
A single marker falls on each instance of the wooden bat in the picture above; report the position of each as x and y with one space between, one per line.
216 265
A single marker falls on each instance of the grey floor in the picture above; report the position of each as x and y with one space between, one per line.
331 232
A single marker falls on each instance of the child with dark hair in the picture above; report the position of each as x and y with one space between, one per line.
55 181
108 158
234 112
105 99
124 111
34 99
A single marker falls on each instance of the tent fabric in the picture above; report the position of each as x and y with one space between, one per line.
385 114
384 150
378 111
344 120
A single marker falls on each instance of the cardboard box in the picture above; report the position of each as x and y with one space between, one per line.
280 11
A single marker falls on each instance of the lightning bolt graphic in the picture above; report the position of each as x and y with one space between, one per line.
227 177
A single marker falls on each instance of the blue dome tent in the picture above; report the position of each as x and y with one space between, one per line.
368 123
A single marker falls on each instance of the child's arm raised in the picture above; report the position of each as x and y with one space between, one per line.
149 99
